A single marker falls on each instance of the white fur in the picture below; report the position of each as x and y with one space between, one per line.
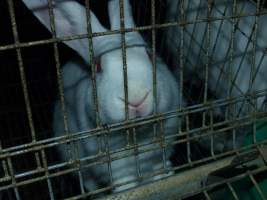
220 41
79 101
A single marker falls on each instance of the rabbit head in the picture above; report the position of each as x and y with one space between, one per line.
70 19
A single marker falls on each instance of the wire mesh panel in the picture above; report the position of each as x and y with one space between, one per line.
133 99
221 44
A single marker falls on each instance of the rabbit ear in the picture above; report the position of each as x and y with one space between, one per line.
114 16
70 19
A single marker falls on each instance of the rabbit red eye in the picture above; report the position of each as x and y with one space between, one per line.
98 66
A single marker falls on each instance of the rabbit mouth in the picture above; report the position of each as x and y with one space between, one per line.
137 102
138 107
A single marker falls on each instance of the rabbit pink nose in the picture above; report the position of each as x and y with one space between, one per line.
137 101
139 105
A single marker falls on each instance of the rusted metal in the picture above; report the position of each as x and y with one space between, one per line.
174 186
263 152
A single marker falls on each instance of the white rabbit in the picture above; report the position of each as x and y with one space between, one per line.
70 19
220 42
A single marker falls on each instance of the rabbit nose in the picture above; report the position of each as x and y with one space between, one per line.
136 102
139 104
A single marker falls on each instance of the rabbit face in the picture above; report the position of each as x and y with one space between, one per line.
139 80
70 19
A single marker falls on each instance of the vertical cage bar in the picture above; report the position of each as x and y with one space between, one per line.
254 78
153 23
234 139
207 61
212 135
193 40
254 41
70 147
81 182
21 69
6 174
92 63
253 71
199 59
51 193
231 107
257 187
5 169
219 32
233 30
136 153
124 61
154 67
250 38
9 163
181 67
38 161
107 152
123 48
188 148
45 166
238 70
93 70
4 164
232 191
206 195
222 72
163 143
193 32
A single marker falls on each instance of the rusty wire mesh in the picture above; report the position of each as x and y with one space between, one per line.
30 170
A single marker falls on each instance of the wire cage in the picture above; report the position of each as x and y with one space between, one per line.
216 52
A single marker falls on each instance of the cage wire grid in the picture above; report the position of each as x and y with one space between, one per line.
196 178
